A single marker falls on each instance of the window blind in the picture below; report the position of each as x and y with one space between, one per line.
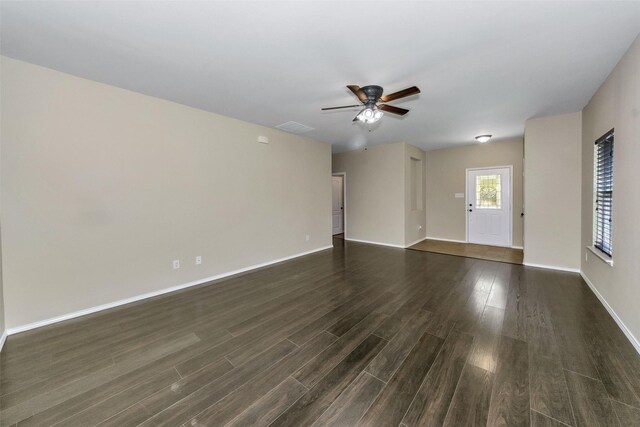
603 187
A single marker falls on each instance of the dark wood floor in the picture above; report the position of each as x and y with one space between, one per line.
359 334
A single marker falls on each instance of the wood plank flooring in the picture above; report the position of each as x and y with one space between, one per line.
356 335
471 250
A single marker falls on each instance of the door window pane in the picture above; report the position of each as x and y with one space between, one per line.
488 192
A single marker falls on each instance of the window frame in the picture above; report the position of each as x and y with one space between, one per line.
603 172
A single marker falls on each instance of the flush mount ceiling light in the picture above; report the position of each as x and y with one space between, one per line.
483 138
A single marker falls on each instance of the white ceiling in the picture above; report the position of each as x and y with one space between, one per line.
483 67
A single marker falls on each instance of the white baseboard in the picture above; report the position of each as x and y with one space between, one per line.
634 341
374 243
3 338
107 306
446 240
552 267
413 243
517 247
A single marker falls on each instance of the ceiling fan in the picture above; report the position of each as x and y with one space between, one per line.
374 102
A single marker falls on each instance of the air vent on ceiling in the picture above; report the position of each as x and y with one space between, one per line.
294 127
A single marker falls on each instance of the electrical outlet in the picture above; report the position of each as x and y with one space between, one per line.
306 238
198 260
176 264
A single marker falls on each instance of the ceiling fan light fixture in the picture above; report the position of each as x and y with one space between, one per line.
483 138
370 115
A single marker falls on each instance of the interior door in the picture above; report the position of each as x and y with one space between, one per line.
489 206
338 204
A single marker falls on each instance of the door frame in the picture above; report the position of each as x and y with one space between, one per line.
466 199
344 202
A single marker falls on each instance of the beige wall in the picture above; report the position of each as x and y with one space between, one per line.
446 175
415 226
616 105
552 186
2 321
102 188
375 193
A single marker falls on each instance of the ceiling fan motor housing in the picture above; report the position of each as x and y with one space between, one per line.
373 92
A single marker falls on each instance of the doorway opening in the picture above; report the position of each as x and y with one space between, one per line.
489 205
338 186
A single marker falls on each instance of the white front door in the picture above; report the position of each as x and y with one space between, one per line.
489 206
338 205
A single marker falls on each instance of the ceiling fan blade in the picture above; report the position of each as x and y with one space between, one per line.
393 110
358 92
345 106
400 94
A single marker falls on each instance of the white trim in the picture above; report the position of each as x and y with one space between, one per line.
413 243
517 247
3 338
344 201
634 341
466 199
375 243
107 306
446 240
552 267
